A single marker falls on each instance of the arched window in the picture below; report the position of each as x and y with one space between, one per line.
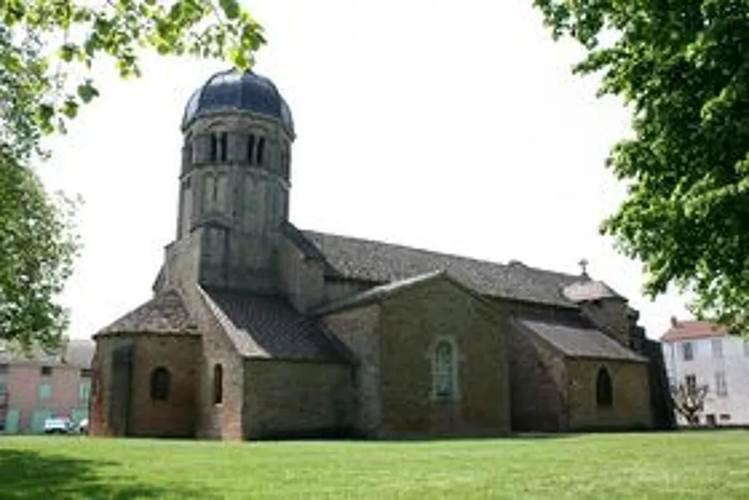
250 148
443 370
604 390
218 384
260 150
214 147
223 141
160 381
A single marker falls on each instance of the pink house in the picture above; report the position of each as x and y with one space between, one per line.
41 385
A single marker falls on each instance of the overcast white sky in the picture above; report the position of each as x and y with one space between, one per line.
455 126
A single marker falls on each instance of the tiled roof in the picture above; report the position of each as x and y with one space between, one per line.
693 329
266 326
165 313
579 340
76 352
383 263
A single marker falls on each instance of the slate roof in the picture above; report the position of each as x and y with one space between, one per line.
693 329
267 327
165 313
76 352
231 90
580 340
383 263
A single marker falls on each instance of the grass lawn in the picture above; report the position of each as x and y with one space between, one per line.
663 465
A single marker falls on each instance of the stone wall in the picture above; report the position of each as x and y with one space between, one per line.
173 417
538 382
631 395
611 316
357 329
301 279
411 324
218 420
296 399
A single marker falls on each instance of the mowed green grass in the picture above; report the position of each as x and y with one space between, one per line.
655 465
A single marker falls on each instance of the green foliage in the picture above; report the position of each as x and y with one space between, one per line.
47 50
683 68
37 252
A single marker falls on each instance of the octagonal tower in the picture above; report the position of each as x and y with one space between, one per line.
235 179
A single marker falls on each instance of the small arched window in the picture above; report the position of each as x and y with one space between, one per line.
260 150
214 147
250 148
223 142
160 382
218 384
443 370
604 390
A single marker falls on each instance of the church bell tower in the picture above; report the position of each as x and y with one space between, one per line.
235 180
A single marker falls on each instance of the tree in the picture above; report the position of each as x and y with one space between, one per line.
682 66
47 50
689 401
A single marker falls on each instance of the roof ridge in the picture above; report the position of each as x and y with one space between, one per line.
443 254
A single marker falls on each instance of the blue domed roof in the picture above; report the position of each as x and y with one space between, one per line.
232 90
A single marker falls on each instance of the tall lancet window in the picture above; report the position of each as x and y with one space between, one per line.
445 370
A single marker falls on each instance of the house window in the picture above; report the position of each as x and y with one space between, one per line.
687 350
218 384
45 390
717 345
725 417
160 381
604 389
86 372
721 389
444 370
691 383
45 371
84 391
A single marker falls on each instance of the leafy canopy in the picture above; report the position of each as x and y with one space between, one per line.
47 50
683 68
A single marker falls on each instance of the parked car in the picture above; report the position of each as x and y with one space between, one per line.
58 425
83 426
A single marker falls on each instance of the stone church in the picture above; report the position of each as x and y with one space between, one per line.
258 329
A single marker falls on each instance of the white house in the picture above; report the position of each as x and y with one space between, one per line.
700 353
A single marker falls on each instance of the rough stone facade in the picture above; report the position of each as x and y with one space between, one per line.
140 414
269 331
297 399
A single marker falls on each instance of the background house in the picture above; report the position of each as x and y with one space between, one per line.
700 353
39 385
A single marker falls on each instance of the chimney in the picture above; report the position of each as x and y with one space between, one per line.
674 322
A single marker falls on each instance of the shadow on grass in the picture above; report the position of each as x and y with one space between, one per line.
30 474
